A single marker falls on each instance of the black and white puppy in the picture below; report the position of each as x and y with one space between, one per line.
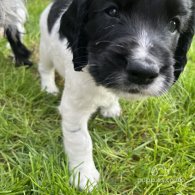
13 15
104 50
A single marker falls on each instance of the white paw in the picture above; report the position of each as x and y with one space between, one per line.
51 89
84 178
112 111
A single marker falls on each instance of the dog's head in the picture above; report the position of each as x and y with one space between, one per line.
133 46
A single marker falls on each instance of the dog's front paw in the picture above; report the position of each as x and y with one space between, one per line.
112 111
51 89
84 178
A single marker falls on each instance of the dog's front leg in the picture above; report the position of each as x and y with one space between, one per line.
77 142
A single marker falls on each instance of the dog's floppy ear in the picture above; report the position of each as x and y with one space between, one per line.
73 28
183 46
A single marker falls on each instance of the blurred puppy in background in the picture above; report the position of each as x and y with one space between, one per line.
13 15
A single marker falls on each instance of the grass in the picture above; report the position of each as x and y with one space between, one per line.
150 149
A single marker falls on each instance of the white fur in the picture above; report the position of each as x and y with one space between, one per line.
13 14
81 97
144 45
141 52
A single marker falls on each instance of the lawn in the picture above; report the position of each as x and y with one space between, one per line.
150 149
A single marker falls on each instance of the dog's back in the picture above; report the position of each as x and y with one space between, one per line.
51 47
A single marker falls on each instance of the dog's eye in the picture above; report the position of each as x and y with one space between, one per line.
173 25
112 11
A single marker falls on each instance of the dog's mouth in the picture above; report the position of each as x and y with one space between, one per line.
125 90
134 91
158 87
137 81
119 83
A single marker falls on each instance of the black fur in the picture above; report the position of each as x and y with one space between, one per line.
75 18
109 43
56 10
21 53
183 46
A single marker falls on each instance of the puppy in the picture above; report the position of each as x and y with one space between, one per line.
12 18
105 50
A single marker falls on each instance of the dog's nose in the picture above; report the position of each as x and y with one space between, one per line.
140 73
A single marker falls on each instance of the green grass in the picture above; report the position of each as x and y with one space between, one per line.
150 149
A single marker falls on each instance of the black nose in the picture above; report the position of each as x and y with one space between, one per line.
141 73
